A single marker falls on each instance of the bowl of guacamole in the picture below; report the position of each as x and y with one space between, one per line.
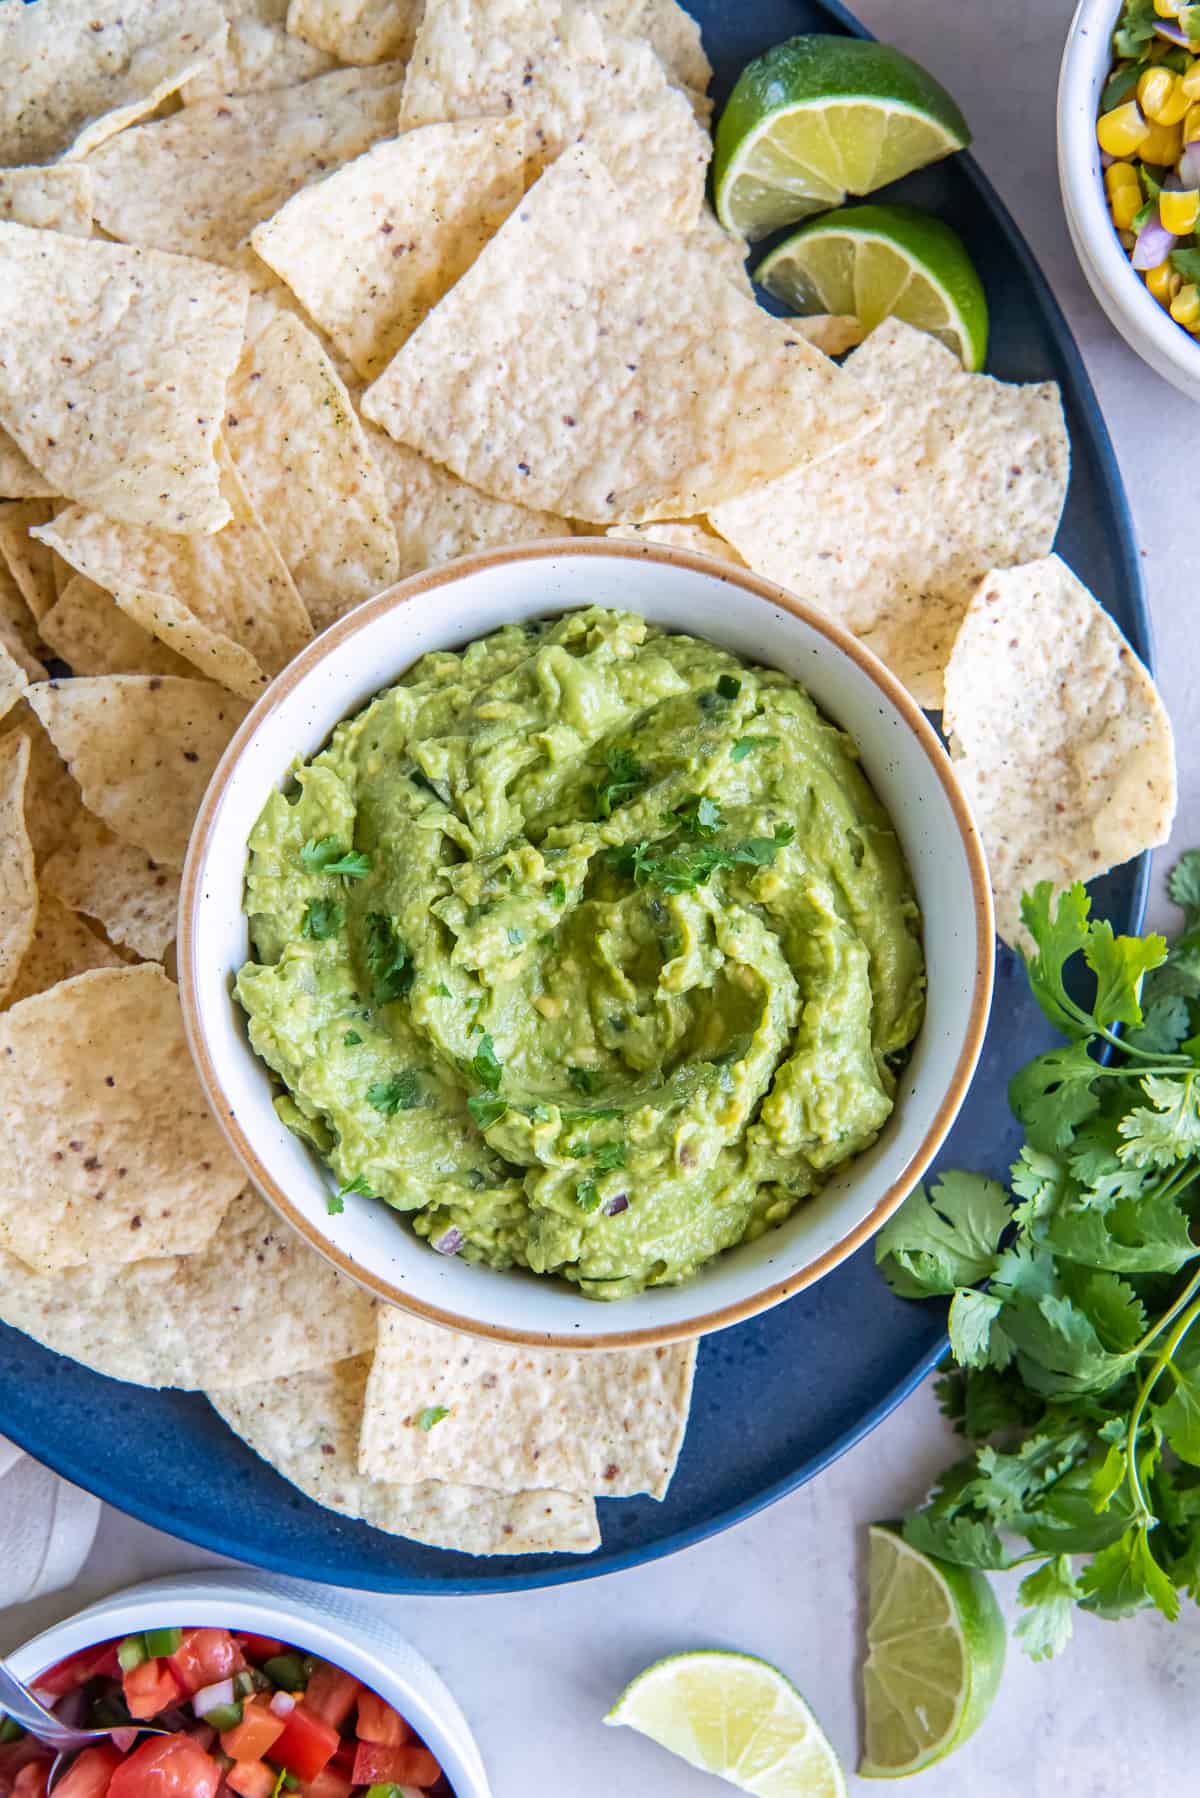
583 954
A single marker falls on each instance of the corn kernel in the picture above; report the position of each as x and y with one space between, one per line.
1174 108
1178 212
1185 307
1121 174
1125 205
1167 9
1191 124
1158 280
1162 144
1189 81
1123 130
1154 89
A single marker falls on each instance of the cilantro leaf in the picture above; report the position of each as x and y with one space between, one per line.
556 892
484 1065
1183 883
1053 1095
1059 933
626 779
1119 964
431 1415
1178 1417
943 1239
335 1201
486 1110
609 1155
699 816
352 1039
388 960
728 686
1136 27
1166 1022
1049 1597
584 1080
328 857
401 1093
975 1338
322 918
967 1541
1166 1131
747 745
1125 1577
586 1195
1187 264
1135 1236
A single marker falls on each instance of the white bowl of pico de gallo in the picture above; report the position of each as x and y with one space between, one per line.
267 1688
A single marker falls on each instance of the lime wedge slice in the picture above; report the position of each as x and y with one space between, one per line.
819 117
880 262
935 1640
735 1716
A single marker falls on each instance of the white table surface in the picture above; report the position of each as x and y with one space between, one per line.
536 1671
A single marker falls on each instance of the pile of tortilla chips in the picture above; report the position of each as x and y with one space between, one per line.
297 299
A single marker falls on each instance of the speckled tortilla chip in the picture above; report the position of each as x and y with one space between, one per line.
562 371
372 248
259 54
29 562
62 946
113 364
200 181
19 479
558 66
224 602
438 517
1057 733
18 628
686 534
18 880
671 32
73 72
49 199
963 474
301 451
215 1316
833 333
87 630
52 799
111 1153
135 898
307 1428
142 748
357 31
609 1423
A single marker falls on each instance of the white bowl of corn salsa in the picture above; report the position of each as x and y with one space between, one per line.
1129 166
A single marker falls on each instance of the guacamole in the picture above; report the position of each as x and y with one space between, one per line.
589 948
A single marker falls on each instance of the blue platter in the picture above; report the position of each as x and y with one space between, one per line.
778 1398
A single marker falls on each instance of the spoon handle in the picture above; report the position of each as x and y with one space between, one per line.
19 1703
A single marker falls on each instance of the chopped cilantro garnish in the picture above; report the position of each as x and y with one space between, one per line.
486 1110
729 686
401 1093
484 1065
441 990
626 777
388 959
556 892
352 1039
333 1200
430 1415
584 1080
322 918
679 870
1186 263
328 857
747 745
699 816
586 1196
609 1155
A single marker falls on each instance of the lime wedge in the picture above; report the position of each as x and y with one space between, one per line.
935 1640
880 262
737 1717
819 117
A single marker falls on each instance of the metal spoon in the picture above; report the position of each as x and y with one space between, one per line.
19 1703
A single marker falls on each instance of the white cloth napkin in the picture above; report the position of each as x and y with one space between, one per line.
46 1528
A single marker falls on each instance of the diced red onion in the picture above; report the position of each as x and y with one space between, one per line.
1107 159
1154 244
1172 31
1188 168
283 1704
449 1242
70 1709
617 1204
209 1697
123 1739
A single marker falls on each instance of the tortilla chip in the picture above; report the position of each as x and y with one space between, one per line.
72 72
520 1418
371 249
550 375
559 67
113 364
19 479
29 562
18 881
135 898
87 630
111 1153
964 474
357 31
62 946
52 799
224 602
142 748
833 333
438 517
200 181
302 453
255 1304
671 33
687 534
53 199
13 682
18 628
259 54
307 1428
1057 734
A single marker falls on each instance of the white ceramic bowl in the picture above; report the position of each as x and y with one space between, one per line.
322 1621
1122 293
448 607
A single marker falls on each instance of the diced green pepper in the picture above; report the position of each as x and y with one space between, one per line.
286 1672
224 1716
163 1641
10 1731
132 1652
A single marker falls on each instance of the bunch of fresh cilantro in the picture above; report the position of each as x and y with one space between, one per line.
1075 1309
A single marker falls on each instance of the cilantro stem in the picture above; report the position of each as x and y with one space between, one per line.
1147 1386
1168 1317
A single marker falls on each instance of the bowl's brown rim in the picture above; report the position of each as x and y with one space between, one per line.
361 619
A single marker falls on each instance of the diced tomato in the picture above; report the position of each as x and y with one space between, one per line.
331 1693
376 1764
66 1676
165 1767
307 1744
90 1773
255 1735
257 1648
379 1721
14 1756
251 1779
31 1780
151 1688
343 1760
204 1657
329 1784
